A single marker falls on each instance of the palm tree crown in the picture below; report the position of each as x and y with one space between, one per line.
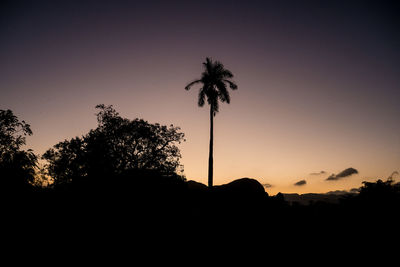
214 81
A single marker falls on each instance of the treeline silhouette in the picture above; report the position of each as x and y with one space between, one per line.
125 175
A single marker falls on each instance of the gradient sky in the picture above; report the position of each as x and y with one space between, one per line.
319 81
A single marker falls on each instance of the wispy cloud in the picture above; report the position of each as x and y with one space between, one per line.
266 185
301 183
318 173
354 190
343 192
343 174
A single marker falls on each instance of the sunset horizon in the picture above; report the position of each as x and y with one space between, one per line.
318 82
316 181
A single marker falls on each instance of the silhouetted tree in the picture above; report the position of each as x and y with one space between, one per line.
214 81
67 160
380 193
17 166
115 146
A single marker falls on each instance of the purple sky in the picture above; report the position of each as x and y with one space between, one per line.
319 81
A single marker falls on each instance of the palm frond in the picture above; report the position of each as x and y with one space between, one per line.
208 65
232 84
202 96
212 99
223 93
205 78
214 105
187 87
218 66
226 73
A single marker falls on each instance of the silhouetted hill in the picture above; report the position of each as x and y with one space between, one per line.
196 186
305 199
244 188
232 203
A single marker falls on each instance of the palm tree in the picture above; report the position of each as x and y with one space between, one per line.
214 81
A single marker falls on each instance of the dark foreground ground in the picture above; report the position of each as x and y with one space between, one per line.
169 214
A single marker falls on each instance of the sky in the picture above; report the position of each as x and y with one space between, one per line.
319 81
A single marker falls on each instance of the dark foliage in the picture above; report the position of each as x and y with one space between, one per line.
117 145
17 166
377 200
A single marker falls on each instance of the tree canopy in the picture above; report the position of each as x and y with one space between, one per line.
117 145
17 166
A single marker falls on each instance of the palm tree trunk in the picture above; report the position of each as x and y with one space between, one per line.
210 157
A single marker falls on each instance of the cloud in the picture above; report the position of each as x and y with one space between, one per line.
301 183
343 192
332 177
318 173
395 173
267 185
354 190
345 173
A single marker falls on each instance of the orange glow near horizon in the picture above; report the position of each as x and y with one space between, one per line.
318 87
278 151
